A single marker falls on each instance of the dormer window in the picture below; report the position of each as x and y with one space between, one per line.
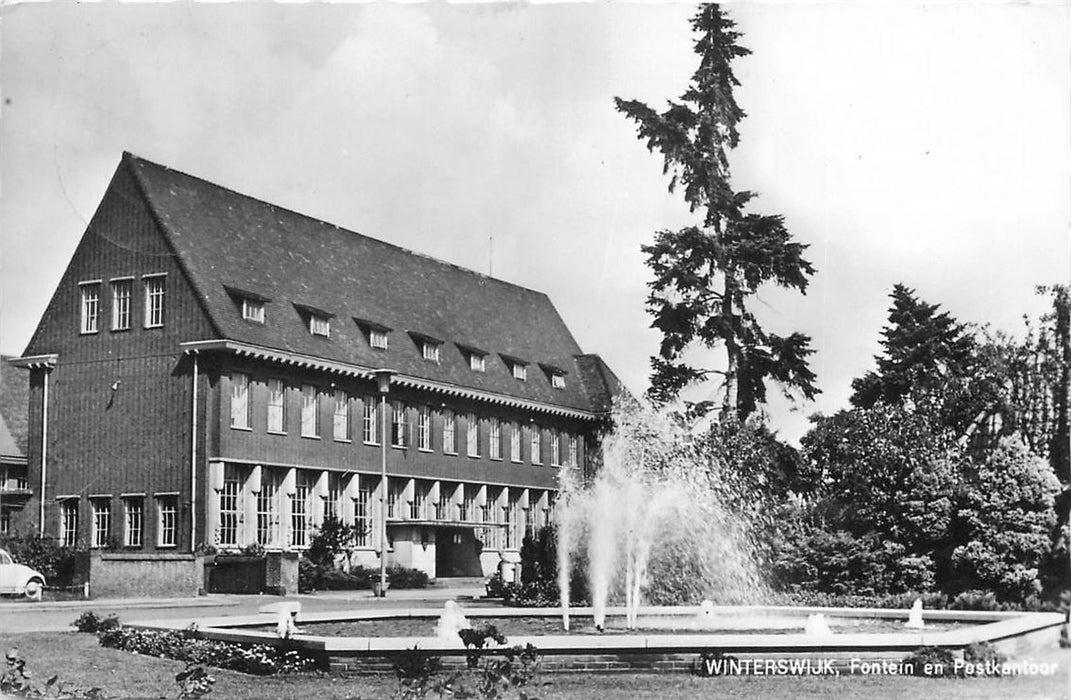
250 304
253 310
478 363
517 367
376 333
557 381
318 321
430 350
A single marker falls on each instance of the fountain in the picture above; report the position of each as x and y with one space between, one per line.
817 626
658 517
451 622
914 616
285 613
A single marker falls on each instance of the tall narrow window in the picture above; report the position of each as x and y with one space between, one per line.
418 506
90 307
362 511
424 429
228 508
515 442
342 416
167 524
299 509
371 421
494 437
519 371
69 522
394 494
399 425
133 507
102 521
536 444
449 432
240 404
121 294
276 406
310 415
573 457
555 448
267 508
154 301
333 504
472 436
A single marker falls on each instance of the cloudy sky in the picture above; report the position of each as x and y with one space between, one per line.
925 143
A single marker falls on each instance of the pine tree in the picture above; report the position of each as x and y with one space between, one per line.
705 275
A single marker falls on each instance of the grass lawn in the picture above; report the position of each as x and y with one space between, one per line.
79 659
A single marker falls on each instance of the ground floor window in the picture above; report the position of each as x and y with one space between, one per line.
362 513
133 508
5 522
299 509
102 521
167 524
69 522
267 509
229 508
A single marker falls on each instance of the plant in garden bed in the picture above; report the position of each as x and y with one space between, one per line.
16 681
89 622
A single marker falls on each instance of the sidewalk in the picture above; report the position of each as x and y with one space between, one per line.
209 601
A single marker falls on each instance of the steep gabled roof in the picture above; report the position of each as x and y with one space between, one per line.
232 244
14 410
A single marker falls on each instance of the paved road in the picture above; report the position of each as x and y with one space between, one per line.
25 616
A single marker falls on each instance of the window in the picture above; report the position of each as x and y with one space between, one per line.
514 522
515 442
310 414
332 506
472 436
399 425
102 521
121 293
154 301
424 429
166 526
69 522
430 350
299 509
467 509
477 362
320 325
572 460
90 307
394 494
5 528
276 406
495 439
519 370
418 506
341 420
377 338
267 508
555 448
557 380
132 507
228 507
449 432
371 421
239 400
253 309
537 453
362 511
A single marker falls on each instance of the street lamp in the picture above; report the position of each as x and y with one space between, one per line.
383 377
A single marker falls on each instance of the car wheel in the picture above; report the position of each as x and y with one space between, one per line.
34 588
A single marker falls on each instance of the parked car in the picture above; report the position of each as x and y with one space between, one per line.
16 579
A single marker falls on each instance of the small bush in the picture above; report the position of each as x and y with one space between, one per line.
496 586
976 600
89 622
983 653
402 577
939 662
56 563
186 645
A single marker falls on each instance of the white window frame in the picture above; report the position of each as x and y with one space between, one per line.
155 299
241 404
370 421
377 339
310 411
449 432
166 520
477 362
535 441
399 424
341 420
515 442
300 515
69 522
557 380
424 429
101 508
230 507
253 310
266 533
276 406
319 325
494 439
122 303
429 349
555 448
573 456
133 521
89 301
362 512
519 371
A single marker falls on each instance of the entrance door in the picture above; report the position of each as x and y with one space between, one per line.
457 554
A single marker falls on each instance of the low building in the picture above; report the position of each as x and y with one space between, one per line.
206 374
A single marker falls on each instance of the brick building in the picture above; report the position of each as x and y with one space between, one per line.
205 373
14 487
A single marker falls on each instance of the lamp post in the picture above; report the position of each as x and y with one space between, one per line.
383 377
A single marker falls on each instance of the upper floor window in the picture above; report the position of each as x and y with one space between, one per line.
449 432
341 422
495 439
253 310
167 521
133 507
572 457
90 306
477 363
371 421
515 442
154 300
399 425
430 350
518 368
240 404
122 291
375 332
276 406
555 448
472 436
536 445
102 521
424 429
310 414
69 522
320 325
557 380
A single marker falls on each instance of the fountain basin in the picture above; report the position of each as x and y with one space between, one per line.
1016 634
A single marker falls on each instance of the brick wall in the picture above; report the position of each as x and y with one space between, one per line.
145 575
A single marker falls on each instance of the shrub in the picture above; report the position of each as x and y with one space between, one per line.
56 563
194 682
932 661
186 645
89 622
983 653
331 539
402 577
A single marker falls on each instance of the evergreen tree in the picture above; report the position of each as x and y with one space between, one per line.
705 275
